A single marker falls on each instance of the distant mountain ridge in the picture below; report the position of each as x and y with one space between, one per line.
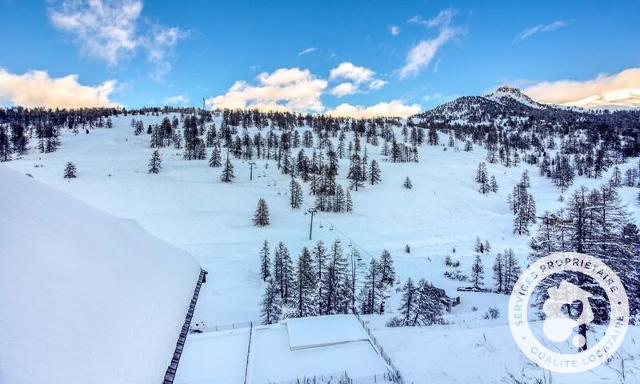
510 107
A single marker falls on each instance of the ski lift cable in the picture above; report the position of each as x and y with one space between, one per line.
352 242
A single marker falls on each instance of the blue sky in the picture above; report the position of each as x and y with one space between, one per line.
181 52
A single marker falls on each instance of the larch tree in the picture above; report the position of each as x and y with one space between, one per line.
261 216
295 194
227 175
215 160
271 306
305 285
477 273
265 261
155 163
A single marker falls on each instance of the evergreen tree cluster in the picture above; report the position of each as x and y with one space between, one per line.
523 206
322 281
596 223
420 305
486 184
506 271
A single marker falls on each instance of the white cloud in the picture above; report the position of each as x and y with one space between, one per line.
160 45
106 31
290 89
306 51
176 100
441 19
394 30
540 28
422 53
111 31
621 89
377 84
344 89
37 89
356 75
392 108
346 70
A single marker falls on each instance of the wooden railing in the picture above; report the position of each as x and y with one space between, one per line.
170 374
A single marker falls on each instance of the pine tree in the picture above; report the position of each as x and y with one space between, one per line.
372 290
349 203
498 272
523 207
265 262
319 254
407 183
155 164
616 178
70 171
5 145
374 173
306 285
511 271
334 279
283 273
271 310
261 216
295 194
429 308
407 304
215 160
355 173
227 171
387 272
482 179
477 273
493 186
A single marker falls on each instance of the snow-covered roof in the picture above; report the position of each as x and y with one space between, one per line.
86 297
309 332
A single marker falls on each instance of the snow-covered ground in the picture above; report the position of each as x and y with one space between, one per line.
214 357
187 206
309 332
281 353
273 360
86 297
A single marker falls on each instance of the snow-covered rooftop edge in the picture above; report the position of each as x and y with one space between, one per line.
86 297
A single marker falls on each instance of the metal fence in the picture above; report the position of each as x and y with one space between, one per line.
203 327
394 375
340 378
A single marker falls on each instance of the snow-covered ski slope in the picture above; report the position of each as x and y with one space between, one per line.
86 297
186 205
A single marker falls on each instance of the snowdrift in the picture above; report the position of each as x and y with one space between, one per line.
85 297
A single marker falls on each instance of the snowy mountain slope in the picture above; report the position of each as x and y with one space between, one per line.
614 100
86 297
187 205
509 107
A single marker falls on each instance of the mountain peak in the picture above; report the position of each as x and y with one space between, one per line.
508 89
507 93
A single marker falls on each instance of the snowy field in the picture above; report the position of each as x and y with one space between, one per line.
187 206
